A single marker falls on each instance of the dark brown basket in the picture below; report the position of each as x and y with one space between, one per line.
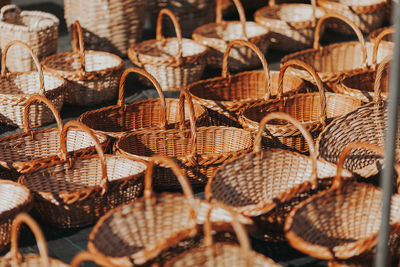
75 192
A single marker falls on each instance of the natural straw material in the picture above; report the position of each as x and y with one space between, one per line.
266 184
14 258
15 198
83 256
77 191
343 221
155 113
112 25
225 96
388 38
39 30
174 62
17 87
92 76
313 110
217 36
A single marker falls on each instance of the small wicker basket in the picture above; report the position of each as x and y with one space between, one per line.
39 30
92 76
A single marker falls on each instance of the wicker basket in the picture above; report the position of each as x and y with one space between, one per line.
112 25
292 25
76 192
14 257
313 110
115 121
373 36
17 87
199 151
39 30
267 184
174 62
83 256
92 76
225 96
217 35
15 198
343 221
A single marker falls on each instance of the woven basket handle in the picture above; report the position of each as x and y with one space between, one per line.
299 126
63 149
83 256
34 57
121 96
378 78
49 104
8 8
185 96
242 15
180 175
237 227
298 63
178 31
225 70
40 240
79 44
377 42
360 36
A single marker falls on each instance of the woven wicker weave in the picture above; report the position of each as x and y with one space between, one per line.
343 221
217 36
313 110
112 25
15 198
225 96
17 87
37 29
14 257
160 113
266 184
199 151
174 62
76 192
92 76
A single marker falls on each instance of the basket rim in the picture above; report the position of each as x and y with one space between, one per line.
359 9
28 200
27 258
27 28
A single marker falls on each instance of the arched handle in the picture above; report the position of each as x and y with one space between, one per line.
186 96
79 44
378 78
83 256
297 124
34 57
298 63
49 104
37 232
180 175
347 21
377 42
242 15
63 154
7 8
178 31
225 70
121 94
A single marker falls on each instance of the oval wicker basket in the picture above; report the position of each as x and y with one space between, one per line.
39 30
162 113
77 191
92 76
174 62
17 87
217 35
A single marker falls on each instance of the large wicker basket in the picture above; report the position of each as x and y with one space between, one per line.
92 76
36 28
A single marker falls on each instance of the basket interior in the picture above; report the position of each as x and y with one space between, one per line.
12 196
364 81
29 20
230 31
28 83
290 12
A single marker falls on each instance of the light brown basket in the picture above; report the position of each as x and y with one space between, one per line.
15 258
39 30
92 76
77 191
17 87
112 25
15 198
343 221
174 62
162 113
313 110
292 25
199 151
373 36
225 96
217 35
267 184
